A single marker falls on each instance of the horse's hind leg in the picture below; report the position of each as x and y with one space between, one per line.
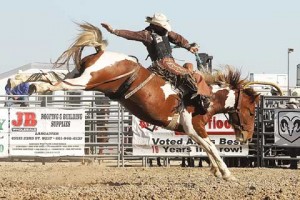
68 84
36 77
23 77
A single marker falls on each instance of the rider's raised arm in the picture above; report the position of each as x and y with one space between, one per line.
179 40
142 36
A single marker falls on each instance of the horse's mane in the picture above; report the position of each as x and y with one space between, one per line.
228 76
89 36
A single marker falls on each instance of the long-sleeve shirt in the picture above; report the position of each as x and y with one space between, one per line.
145 37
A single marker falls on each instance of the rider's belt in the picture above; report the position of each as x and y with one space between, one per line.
166 58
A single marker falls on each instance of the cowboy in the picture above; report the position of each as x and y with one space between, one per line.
157 37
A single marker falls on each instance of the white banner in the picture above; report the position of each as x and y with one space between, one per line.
149 140
4 132
47 132
287 127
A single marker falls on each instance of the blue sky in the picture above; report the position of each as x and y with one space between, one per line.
250 35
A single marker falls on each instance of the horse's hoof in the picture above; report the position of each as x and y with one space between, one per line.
218 174
230 178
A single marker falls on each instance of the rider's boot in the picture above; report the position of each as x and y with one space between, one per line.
189 86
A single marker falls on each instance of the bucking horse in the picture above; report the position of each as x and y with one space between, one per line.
152 98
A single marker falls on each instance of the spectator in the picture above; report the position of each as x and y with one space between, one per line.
21 89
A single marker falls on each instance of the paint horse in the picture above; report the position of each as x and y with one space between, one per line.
153 99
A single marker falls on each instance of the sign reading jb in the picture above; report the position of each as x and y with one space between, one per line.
287 127
23 121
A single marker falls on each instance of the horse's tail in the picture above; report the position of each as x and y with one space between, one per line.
89 36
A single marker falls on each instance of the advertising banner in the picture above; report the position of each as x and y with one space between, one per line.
47 132
287 127
4 132
149 140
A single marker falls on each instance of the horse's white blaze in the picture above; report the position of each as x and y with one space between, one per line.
106 59
230 101
168 90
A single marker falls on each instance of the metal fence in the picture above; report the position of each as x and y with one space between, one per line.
271 154
106 123
108 133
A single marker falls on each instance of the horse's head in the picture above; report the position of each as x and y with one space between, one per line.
242 115
234 96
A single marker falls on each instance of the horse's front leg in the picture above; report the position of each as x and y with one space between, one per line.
196 130
212 150
214 167
219 168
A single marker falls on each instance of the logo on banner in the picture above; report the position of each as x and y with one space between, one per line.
219 125
24 122
148 126
289 127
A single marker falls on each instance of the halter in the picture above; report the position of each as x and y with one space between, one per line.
237 111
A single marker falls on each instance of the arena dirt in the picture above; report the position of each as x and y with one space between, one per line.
21 180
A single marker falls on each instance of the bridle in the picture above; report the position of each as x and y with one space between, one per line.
237 108
237 111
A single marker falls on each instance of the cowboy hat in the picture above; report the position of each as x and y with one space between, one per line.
160 20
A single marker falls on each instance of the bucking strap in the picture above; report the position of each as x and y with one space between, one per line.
124 87
140 86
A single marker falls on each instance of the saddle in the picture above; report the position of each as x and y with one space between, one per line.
202 88
189 84
193 77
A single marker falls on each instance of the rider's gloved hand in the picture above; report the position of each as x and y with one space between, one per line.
194 49
107 27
